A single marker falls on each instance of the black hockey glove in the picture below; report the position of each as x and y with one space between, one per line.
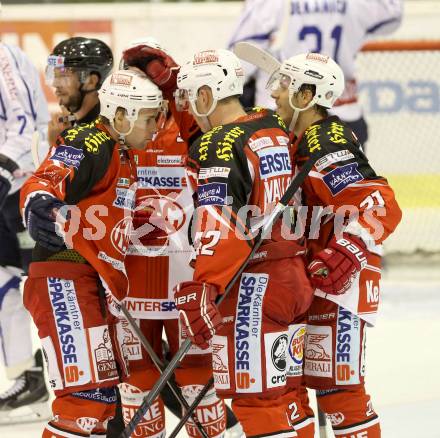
40 217
7 168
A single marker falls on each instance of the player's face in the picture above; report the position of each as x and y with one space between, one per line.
144 128
67 87
280 93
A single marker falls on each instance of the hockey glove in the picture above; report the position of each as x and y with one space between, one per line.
40 217
195 302
334 268
156 64
7 169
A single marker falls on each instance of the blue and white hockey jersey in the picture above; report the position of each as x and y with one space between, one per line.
337 28
23 110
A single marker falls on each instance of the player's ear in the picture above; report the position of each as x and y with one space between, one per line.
205 95
92 82
120 121
306 97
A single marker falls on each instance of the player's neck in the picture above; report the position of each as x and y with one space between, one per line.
305 120
227 113
89 102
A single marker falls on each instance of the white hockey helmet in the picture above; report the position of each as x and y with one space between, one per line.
313 69
143 41
220 70
131 90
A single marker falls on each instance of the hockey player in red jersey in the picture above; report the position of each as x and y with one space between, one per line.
77 279
358 211
158 259
238 169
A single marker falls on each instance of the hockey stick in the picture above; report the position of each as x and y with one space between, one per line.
322 423
193 407
257 56
35 145
276 213
160 367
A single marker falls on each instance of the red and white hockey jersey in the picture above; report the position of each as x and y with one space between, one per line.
160 252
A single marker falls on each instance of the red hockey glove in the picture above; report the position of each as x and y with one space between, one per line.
197 310
156 64
334 268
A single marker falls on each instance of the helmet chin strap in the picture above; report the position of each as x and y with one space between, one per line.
205 117
297 111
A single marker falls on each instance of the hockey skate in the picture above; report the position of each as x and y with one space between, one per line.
27 400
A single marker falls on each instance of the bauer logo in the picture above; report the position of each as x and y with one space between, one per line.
248 319
275 345
212 194
340 178
71 333
274 162
68 155
348 338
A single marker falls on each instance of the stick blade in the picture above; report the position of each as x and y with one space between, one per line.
257 56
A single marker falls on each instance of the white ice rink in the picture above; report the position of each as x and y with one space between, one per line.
403 358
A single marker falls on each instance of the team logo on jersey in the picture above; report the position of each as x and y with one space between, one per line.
340 178
274 162
87 424
68 155
120 235
163 216
336 418
212 194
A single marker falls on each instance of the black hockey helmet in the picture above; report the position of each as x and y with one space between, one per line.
84 55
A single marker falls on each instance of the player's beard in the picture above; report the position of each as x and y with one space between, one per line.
73 103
